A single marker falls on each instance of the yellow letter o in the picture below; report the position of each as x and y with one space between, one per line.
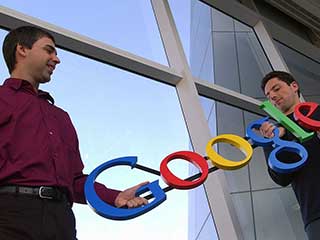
234 140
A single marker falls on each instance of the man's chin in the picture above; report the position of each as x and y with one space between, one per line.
46 79
278 106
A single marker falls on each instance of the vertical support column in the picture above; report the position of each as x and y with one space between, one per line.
219 198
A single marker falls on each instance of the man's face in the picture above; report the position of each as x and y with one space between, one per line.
41 60
282 95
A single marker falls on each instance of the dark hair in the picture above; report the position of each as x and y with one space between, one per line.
283 76
25 36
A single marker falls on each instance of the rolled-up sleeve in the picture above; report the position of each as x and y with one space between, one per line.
282 179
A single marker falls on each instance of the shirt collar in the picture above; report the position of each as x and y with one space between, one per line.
18 84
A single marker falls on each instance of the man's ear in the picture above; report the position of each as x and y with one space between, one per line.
295 86
21 50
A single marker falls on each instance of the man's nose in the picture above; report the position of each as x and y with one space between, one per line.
56 59
273 96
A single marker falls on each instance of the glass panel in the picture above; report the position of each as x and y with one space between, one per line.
200 37
277 215
312 99
207 232
226 69
198 211
129 25
209 108
115 118
221 22
226 52
182 14
253 64
4 71
243 207
305 70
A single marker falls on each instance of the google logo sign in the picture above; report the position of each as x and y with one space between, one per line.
302 113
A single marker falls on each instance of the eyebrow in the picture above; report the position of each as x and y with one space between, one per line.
276 85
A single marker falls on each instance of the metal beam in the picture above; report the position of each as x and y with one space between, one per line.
229 97
226 221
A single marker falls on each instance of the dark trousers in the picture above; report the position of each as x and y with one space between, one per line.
313 230
24 217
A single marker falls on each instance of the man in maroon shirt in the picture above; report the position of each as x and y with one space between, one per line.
40 165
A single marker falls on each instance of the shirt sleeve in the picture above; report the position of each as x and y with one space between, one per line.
282 179
108 195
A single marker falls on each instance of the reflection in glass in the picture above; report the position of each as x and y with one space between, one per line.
129 25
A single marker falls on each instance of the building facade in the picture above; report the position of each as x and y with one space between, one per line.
213 88
229 51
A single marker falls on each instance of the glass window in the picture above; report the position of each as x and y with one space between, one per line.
305 70
200 40
192 19
118 113
207 231
243 205
182 16
226 52
279 204
199 212
4 71
129 25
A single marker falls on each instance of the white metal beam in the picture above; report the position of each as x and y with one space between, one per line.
229 97
225 218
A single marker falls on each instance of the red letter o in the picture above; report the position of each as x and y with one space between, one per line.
179 183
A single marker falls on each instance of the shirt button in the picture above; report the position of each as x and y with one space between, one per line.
51 133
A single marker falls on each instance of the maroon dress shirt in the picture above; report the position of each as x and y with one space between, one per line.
38 143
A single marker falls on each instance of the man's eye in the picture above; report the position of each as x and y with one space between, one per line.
49 50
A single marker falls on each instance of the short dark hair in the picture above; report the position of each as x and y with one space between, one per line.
25 36
283 76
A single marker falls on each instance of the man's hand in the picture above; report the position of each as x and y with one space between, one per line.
267 128
128 198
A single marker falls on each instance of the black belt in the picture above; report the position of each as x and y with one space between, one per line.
44 192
